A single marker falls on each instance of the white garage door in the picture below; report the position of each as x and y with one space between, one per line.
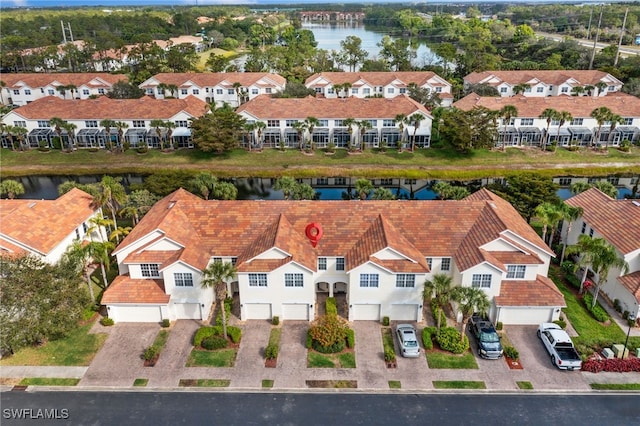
404 312
525 316
295 311
366 312
258 310
135 313
187 310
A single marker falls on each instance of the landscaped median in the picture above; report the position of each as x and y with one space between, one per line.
213 349
330 341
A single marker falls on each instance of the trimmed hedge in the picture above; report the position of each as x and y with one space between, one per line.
351 338
434 311
331 349
427 337
597 311
561 323
385 321
214 342
309 343
234 333
389 354
275 320
271 351
150 353
511 352
449 340
227 310
331 307
107 322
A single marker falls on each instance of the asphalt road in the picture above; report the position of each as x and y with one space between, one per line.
217 408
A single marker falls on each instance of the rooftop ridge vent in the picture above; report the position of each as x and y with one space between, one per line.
636 203
32 205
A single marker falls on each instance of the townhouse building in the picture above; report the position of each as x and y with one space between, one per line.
529 129
378 84
234 88
618 222
543 83
344 122
378 253
23 88
46 228
132 118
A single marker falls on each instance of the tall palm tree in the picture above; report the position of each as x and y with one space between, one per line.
10 131
577 90
260 126
58 123
563 117
287 185
111 194
549 215
569 214
300 127
76 255
311 123
349 123
363 126
20 133
121 126
71 135
470 300
363 188
415 121
520 88
216 276
337 88
607 258
108 124
3 84
549 115
237 86
579 187
249 128
169 126
614 119
589 249
601 115
439 288
401 121
158 125
507 113
99 252
601 85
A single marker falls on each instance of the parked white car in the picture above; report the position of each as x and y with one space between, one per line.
409 347
560 347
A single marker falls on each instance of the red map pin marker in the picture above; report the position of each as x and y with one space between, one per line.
313 231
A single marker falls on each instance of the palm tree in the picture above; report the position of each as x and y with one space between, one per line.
287 185
579 187
415 120
77 256
12 188
249 128
549 215
601 85
119 232
121 126
62 90
216 276
363 126
203 183
337 88
158 124
108 124
507 113
470 300
588 248
346 86
311 123
170 125
3 84
349 123
607 258
237 86
10 130
300 127
601 115
260 126
606 187
614 119
363 188
58 123
401 120
563 117
71 134
72 88
577 90
111 194
520 88
549 115
439 288
569 214
99 252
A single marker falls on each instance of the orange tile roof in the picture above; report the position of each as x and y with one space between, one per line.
215 78
375 78
145 108
402 266
632 283
579 106
555 77
516 258
263 265
265 107
77 79
539 292
618 221
43 224
125 289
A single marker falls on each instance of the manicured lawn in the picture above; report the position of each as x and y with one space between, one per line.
77 349
524 385
219 358
395 384
161 339
317 360
204 383
616 386
267 383
347 360
274 336
458 384
332 384
48 381
140 382
425 163
437 359
387 338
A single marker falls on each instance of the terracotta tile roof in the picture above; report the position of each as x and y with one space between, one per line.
43 224
7 248
145 108
632 283
516 258
375 78
150 256
618 221
401 266
579 106
264 108
210 79
263 265
44 79
539 292
124 289
555 77
488 257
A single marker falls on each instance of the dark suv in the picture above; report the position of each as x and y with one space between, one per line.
489 345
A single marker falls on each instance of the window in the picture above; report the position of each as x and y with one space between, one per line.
150 91
354 90
391 90
540 89
182 123
257 280
368 280
217 259
254 91
340 181
16 91
85 92
267 90
526 121
429 262
481 280
374 123
293 280
184 91
322 263
438 89
27 92
403 90
405 280
338 123
196 91
340 264
43 123
183 279
503 90
234 260
555 122
20 123
628 121
323 123
231 92
516 271
564 181
446 264
386 181
290 123
410 181
149 270
322 181
138 123
219 91
527 90
100 91
366 91
91 123
551 87
612 88
388 123
564 90
273 123
51 92
330 91
591 232
577 122
584 228
615 181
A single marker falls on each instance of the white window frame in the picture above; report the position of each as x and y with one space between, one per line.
293 279
516 271
322 263
340 264
258 280
445 265
183 279
405 281
369 280
149 270
481 280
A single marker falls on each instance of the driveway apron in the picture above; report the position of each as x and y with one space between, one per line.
249 367
168 370
292 359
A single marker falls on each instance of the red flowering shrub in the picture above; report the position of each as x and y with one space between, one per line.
613 365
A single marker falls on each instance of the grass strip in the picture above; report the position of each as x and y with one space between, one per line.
49 381
204 383
140 382
525 385
267 383
317 360
616 386
219 358
437 359
458 384
347 360
332 384
395 384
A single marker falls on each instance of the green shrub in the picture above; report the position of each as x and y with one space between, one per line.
142 150
234 333
309 343
617 306
271 351
385 321
427 337
568 267
126 145
561 323
597 311
625 315
511 352
150 353
449 340
106 321
329 349
214 342
275 320
331 307
329 330
203 333
573 281
227 310
435 309
499 325
351 338
166 322
389 354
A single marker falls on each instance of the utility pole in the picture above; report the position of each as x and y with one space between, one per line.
624 23
589 26
595 40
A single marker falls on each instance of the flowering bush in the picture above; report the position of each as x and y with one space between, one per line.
329 331
613 365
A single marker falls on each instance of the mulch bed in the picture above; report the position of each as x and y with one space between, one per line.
513 363
151 362
271 363
333 384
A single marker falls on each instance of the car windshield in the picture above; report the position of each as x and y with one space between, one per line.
490 337
410 343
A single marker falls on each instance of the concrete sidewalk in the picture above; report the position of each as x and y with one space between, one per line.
118 364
